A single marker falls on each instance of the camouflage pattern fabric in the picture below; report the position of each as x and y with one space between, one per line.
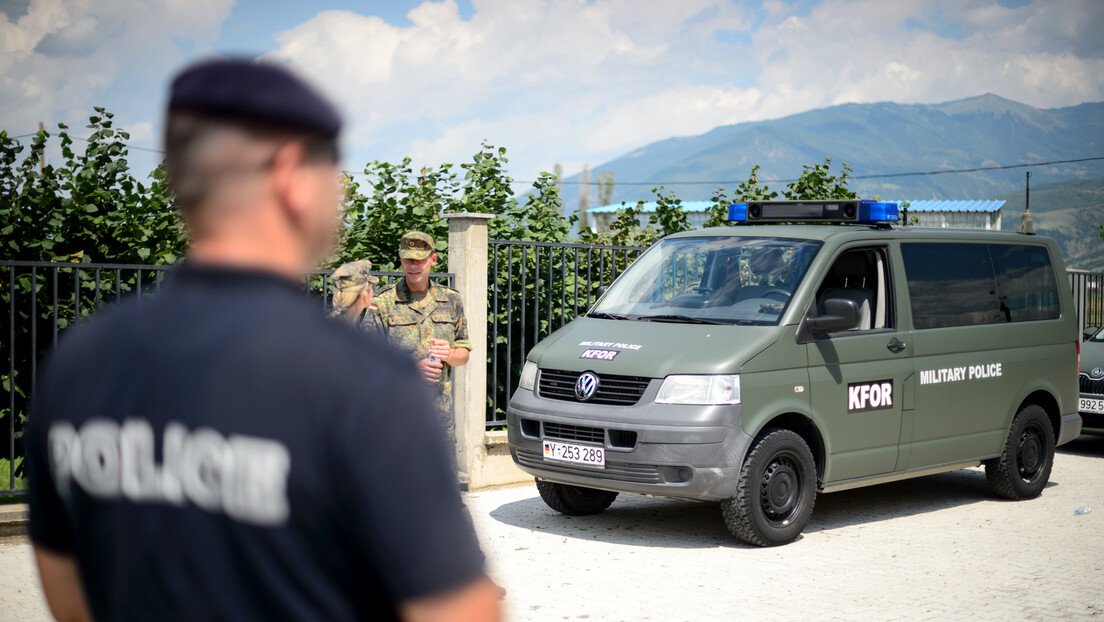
416 245
354 273
410 321
370 322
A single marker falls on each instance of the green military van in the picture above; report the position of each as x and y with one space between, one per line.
759 364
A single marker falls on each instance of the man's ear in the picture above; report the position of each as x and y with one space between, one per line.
292 195
433 258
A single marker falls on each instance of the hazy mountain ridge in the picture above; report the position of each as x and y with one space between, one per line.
877 138
1070 212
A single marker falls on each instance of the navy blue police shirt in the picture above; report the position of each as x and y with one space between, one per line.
222 451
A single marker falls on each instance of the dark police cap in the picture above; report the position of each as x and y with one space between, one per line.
254 92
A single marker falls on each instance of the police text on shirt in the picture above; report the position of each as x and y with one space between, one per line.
243 477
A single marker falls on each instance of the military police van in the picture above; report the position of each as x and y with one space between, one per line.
760 364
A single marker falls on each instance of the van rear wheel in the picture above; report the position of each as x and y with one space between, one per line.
1023 468
775 493
574 500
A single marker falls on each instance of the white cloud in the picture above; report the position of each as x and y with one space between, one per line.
572 81
568 81
61 57
545 79
868 50
140 132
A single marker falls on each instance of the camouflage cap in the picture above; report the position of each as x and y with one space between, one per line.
416 245
354 273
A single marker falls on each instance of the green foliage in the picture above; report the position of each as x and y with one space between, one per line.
394 200
817 182
397 201
749 190
89 209
5 474
669 215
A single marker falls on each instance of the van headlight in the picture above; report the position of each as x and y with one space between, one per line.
528 376
701 390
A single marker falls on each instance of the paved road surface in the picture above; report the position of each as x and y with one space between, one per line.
935 548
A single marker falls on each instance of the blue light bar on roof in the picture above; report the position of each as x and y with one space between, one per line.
877 211
838 211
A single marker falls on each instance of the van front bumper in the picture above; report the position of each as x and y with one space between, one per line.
667 450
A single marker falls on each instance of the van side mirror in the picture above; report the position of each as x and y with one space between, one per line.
839 314
601 291
1089 332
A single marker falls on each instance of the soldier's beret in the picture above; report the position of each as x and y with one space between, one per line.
254 92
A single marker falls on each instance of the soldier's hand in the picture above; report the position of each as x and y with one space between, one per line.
440 349
431 370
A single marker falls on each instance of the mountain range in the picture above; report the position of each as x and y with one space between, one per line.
876 139
1071 212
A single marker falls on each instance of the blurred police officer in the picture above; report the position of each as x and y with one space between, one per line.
224 451
426 320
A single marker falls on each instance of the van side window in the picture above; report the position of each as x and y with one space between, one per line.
860 275
1025 280
973 284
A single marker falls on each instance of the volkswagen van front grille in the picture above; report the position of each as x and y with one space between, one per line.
612 390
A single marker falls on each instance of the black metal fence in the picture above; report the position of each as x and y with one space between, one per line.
535 288
42 299
1088 296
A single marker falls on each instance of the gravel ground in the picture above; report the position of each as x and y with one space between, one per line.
939 548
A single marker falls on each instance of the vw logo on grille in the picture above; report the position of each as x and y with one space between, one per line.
1097 372
586 386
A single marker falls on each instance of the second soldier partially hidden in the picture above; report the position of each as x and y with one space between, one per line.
353 291
425 319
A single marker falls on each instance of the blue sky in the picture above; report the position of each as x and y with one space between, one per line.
568 81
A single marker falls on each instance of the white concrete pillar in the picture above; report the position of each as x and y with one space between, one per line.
467 259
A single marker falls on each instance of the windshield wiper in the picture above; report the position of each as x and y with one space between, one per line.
675 317
607 316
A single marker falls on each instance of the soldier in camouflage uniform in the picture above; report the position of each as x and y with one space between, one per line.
426 320
353 292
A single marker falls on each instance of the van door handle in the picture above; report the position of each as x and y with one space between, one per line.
896 346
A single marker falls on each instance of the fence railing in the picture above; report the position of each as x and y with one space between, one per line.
535 288
1088 297
41 299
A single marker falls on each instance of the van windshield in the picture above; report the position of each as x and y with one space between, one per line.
710 280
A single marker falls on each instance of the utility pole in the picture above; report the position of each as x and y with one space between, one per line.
42 156
557 172
1026 226
584 197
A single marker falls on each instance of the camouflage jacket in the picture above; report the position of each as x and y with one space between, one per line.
410 323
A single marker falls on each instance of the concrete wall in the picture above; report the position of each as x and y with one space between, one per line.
482 457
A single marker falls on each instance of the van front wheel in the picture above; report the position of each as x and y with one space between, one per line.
775 493
1023 468
574 500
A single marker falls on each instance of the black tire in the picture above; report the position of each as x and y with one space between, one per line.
574 500
775 494
1023 468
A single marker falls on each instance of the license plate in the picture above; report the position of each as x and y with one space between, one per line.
579 454
1091 405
